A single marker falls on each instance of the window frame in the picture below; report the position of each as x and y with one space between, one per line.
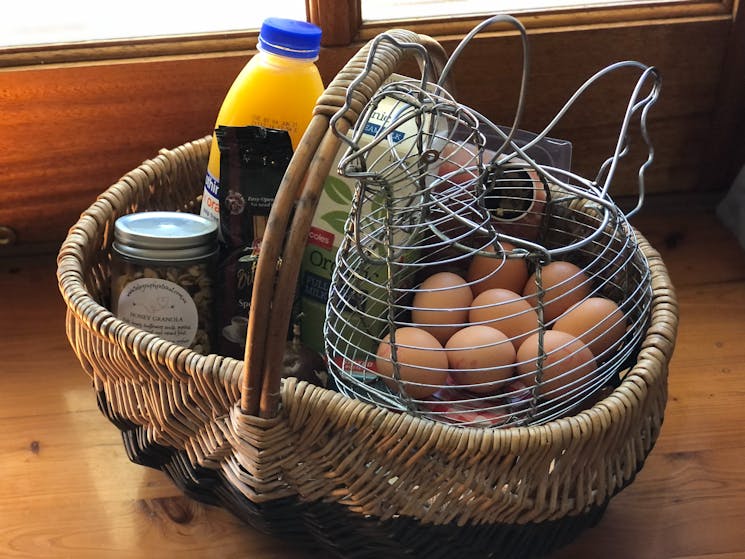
342 25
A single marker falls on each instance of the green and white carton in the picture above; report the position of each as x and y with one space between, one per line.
327 232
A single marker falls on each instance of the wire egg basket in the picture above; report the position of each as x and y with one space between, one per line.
465 285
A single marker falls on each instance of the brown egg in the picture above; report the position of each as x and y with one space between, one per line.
440 305
506 311
460 163
567 361
480 357
597 321
421 361
486 272
564 283
455 192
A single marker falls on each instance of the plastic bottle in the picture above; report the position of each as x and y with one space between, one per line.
277 88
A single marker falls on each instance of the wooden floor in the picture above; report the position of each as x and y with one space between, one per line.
67 488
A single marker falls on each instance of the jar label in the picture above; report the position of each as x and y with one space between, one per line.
160 307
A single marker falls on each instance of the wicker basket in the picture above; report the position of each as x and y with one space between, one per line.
292 458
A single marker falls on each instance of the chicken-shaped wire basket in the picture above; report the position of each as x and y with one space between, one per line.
475 286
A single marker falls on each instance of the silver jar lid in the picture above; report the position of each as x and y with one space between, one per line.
165 235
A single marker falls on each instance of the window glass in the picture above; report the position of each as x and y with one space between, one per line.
376 10
34 22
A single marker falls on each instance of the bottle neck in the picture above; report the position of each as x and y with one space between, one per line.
282 60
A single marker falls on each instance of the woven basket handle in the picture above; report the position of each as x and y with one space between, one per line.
282 247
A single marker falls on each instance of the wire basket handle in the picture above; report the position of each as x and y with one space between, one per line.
282 247
644 95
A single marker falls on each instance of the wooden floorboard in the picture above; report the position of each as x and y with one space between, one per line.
67 488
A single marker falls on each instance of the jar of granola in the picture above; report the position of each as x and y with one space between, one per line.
162 276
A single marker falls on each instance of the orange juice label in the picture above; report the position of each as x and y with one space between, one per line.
210 198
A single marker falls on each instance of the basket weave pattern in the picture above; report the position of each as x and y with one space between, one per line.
297 458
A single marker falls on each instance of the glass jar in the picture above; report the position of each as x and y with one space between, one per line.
162 276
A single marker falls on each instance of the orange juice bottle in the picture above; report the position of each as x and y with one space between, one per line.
278 88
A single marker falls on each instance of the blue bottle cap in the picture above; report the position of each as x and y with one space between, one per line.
289 37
